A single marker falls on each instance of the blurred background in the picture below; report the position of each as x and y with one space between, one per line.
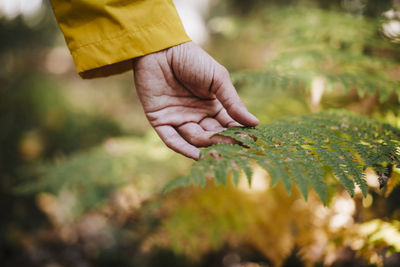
81 171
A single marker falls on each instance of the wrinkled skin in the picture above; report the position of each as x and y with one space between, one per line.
188 97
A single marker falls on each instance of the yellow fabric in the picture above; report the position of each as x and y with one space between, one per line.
103 35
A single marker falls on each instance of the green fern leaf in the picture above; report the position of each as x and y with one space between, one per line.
303 149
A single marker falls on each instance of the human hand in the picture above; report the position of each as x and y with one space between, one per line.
188 97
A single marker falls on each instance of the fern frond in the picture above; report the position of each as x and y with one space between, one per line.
286 77
302 149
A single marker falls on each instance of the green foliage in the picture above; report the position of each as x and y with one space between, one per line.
340 70
302 149
90 177
328 28
346 51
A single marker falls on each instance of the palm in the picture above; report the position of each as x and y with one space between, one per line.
185 98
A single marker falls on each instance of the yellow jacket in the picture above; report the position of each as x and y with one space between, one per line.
103 35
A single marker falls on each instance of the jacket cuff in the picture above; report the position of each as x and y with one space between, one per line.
113 56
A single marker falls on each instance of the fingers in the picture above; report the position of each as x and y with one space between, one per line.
197 136
189 136
227 95
174 141
226 120
211 124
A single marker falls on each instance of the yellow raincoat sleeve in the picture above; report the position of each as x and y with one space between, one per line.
103 35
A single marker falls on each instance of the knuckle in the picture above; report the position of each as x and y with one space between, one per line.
198 140
229 105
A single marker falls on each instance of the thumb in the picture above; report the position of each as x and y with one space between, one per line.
226 93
